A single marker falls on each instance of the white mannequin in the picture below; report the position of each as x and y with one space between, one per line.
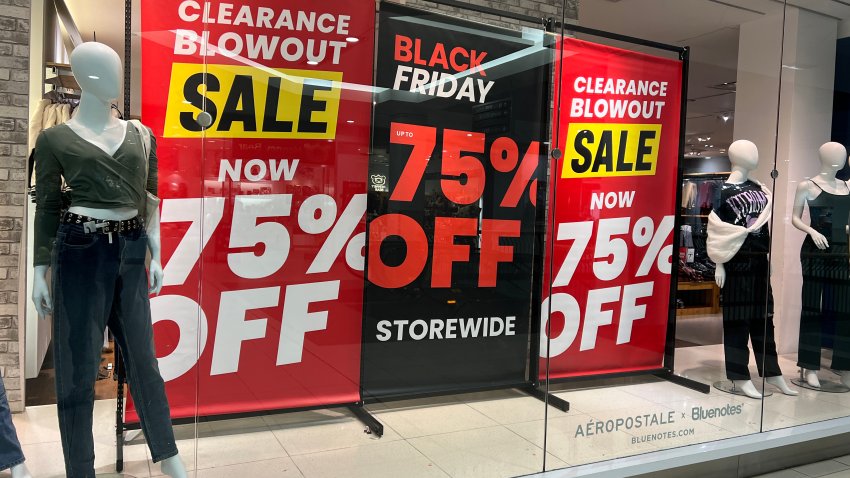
744 156
833 157
97 69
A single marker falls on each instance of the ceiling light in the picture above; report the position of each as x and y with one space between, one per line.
352 39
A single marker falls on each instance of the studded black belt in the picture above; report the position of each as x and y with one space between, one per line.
102 226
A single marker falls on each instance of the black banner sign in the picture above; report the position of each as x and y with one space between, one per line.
459 141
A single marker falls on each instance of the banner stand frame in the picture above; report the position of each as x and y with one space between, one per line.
667 371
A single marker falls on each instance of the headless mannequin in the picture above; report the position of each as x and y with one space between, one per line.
744 158
97 69
833 157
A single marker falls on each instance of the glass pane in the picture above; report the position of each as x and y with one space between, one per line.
454 244
810 243
639 367
178 316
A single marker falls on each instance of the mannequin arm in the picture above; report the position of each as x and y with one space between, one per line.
720 275
155 273
797 217
41 292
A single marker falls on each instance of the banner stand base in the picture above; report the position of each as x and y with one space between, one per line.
373 425
685 382
553 400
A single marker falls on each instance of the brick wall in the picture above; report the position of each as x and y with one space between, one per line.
532 8
14 112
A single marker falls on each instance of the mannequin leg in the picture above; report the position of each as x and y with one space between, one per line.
780 383
83 280
133 333
809 346
737 311
748 388
841 342
10 448
764 348
173 467
20 471
811 377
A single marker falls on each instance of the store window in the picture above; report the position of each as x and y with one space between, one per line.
429 238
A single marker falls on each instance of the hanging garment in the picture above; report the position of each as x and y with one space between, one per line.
37 120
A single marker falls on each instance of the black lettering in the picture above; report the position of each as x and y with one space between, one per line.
643 150
578 165
270 121
190 92
622 164
310 105
242 92
604 153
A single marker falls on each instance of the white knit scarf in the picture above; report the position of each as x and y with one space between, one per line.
725 239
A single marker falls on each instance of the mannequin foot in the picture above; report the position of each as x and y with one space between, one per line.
783 387
173 467
845 377
747 387
20 471
811 378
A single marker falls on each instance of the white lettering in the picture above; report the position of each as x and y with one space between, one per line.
233 328
298 320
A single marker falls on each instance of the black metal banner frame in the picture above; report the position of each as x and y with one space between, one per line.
533 387
667 371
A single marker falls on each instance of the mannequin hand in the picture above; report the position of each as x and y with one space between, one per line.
41 292
720 275
155 277
819 239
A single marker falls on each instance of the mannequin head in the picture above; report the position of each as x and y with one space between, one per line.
833 156
744 154
97 68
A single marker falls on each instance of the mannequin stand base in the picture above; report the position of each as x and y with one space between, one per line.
729 387
825 386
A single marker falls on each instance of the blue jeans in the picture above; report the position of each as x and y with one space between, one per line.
93 276
10 448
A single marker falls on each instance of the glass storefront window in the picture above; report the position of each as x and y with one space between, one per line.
432 238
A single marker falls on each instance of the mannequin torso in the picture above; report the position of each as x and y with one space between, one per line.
833 156
108 140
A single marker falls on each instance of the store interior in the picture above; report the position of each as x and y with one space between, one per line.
740 87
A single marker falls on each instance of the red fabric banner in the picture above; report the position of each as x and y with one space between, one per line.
614 192
263 226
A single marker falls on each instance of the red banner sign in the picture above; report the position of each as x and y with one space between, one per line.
263 209
614 205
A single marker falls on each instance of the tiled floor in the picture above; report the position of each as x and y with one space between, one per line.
482 435
837 468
